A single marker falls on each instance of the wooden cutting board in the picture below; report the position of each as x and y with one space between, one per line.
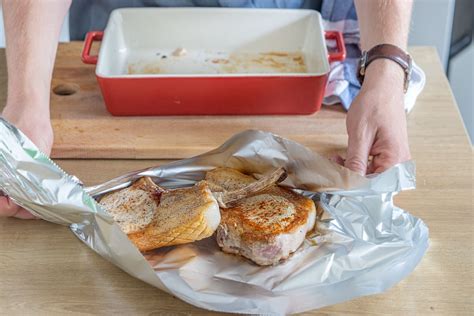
84 129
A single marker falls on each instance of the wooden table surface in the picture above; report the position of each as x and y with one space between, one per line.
44 269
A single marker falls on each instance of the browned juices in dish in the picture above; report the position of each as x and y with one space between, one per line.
181 61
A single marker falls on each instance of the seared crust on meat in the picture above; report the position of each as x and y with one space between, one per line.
269 213
265 227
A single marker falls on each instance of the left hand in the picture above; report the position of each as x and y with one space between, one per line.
376 121
35 123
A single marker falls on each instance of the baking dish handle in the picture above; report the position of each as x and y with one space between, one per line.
340 53
90 38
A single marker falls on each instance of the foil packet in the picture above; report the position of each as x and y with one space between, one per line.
365 244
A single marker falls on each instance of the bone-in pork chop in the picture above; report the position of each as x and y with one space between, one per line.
264 227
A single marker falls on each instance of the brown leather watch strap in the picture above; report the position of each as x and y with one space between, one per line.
387 51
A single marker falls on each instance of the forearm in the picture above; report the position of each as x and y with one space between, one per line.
384 22
376 122
32 31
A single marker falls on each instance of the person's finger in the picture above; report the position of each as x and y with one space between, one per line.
7 208
10 209
337 159
383 162
371 167
358 153
24 214
385 155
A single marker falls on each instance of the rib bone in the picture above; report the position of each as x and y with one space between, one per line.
225 198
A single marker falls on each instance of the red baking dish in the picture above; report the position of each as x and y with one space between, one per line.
212 61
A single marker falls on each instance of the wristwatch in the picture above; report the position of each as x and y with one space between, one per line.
387 51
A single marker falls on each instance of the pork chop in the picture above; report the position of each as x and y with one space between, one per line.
133 208
183 215
153 217
265 227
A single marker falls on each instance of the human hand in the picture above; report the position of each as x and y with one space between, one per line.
376 121
37 126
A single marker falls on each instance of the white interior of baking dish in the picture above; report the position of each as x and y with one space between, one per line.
192 39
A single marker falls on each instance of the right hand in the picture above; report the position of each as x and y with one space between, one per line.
37 126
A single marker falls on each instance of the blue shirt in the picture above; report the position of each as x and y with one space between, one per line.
88 15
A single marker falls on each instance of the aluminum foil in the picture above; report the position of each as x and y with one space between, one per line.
364 245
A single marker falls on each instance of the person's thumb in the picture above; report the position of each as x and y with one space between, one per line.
358 154
10 209
6 207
